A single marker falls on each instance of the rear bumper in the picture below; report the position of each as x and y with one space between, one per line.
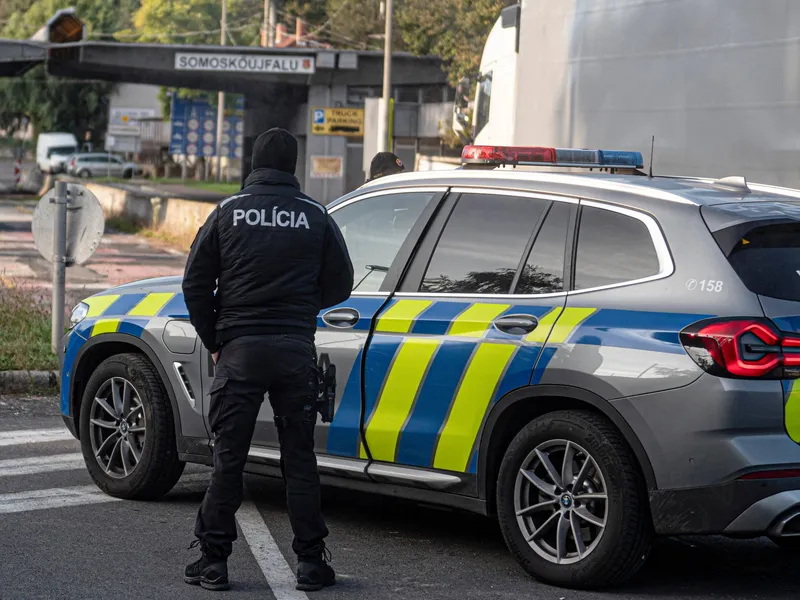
738 508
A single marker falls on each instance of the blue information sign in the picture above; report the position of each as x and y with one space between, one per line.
193 130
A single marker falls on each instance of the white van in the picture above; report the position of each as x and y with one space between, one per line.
53 149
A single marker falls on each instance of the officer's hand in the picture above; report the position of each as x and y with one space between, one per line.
215 357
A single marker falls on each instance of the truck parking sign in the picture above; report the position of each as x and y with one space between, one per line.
338 121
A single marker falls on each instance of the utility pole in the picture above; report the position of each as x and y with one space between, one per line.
269 23
384 111
221 96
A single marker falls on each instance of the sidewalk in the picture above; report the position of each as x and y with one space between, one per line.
121 258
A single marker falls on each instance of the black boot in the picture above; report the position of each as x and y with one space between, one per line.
314 572
210 571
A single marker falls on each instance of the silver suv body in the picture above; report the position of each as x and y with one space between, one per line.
592 358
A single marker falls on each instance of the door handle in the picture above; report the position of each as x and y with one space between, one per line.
341 317
516 324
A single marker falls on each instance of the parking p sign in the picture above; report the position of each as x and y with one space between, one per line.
348 122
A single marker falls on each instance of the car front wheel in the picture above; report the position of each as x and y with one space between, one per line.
84 174
127 430
572 502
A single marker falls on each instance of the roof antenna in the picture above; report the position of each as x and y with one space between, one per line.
652 148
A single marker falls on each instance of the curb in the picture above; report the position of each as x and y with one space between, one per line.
25 381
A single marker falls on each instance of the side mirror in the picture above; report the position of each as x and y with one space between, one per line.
462 117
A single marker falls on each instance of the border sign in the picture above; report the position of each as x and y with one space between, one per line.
193 128
327 167
337 121
245 63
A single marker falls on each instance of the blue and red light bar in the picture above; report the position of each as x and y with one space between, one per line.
555 157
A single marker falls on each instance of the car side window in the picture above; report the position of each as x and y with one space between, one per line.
481 246
612 248
543 272
374 229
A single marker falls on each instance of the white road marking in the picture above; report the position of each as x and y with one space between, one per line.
280 577
52 498
33 436
41 464
81 495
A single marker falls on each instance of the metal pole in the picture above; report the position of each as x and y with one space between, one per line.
273 19
221 96
383 125
269 23
59 264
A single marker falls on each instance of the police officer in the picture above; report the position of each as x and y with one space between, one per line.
383 164
275 258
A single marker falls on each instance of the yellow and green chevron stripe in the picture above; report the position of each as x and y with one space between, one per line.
128 313
791 410
416 397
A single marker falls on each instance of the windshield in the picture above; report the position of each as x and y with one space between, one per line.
484 100
62 151
767 259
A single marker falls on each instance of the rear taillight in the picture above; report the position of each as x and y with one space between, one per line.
743 348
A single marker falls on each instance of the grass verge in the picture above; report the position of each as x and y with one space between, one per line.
25 331
209 186
178 242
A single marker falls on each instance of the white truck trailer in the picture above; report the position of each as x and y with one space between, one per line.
717 82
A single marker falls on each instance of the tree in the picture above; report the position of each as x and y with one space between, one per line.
51 103
313 12
354 24
195 22
456 30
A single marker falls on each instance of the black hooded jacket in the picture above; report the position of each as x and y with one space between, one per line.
279 259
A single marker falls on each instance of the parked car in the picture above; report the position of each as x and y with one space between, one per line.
593 358
52 150
100 164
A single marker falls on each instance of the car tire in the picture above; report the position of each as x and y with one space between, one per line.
110 462
84 174
127 174
611 553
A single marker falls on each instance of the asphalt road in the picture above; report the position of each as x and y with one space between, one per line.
120 258
62 538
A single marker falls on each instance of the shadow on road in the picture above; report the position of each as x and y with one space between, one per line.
697 567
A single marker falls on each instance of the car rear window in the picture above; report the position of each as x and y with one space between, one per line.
766 258
613 248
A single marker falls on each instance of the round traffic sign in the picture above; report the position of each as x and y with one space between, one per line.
85 224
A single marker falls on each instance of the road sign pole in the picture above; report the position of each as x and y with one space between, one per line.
59 263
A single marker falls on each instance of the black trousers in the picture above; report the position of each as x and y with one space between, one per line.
285 367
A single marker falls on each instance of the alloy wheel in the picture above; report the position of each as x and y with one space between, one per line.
561 501
117 429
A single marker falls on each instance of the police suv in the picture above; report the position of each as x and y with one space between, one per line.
594 356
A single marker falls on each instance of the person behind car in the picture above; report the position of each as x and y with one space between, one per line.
383 164
276 258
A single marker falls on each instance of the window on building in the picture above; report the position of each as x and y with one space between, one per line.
407 94
357 94
433 94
